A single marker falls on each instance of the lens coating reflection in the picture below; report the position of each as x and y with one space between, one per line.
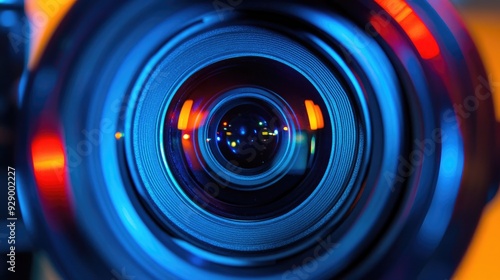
250 153
244 128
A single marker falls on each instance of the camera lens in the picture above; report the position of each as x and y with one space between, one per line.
263 140
239 141
247 130
235 145
245 126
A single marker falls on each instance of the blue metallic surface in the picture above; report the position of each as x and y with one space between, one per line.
386 207
239 235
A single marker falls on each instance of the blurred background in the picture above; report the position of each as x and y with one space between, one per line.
482 17
482 259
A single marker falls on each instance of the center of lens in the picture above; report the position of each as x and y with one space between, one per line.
243 137
248 136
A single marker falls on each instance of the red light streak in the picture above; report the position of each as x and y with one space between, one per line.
413 26
49 164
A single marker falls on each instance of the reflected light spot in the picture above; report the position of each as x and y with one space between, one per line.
48 155
315 115
413 26
49 166
184 115
319 116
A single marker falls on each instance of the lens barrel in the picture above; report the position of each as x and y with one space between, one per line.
256 139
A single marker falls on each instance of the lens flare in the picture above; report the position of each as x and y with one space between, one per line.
413 26
184 115
49 164
315 115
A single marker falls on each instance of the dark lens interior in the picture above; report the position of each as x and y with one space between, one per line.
241 141
246 128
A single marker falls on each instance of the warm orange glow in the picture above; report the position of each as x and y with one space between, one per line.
186 137
48 159
118 135
481 260
485 28
319 116
311 113
315 115
49 165
44 17
483 255
184 115
285 128
413 26
191 157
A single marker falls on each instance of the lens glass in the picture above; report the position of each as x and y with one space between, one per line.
243 135
245 127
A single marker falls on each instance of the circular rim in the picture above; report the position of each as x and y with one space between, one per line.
120 197
234 175
201 226
34 83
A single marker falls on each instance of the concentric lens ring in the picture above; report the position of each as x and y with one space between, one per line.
168 195
237 175
139 236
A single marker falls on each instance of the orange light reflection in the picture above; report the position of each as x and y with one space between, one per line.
413 26
45 17
185 114
49 164
315 115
